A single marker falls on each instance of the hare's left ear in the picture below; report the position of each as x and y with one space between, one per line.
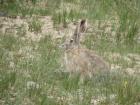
83 25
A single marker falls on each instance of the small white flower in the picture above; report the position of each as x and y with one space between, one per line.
112 96
11 65
32 84
130 71
94 102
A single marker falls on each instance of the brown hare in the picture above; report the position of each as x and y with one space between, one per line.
81 60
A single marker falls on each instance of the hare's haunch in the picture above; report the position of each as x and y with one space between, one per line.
84 61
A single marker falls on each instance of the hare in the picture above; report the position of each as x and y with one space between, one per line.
81 60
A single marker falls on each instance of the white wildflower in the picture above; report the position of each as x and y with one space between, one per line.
32 84
12 64
130 71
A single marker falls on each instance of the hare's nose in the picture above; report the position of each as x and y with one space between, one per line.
61 46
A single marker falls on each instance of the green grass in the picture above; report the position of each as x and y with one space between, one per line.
35 76
40 81
35 25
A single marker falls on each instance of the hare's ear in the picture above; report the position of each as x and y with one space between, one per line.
83 25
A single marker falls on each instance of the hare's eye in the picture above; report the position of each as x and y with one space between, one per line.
71 40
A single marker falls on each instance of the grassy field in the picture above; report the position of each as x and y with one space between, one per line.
31 71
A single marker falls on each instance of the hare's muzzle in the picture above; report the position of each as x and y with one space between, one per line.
61 46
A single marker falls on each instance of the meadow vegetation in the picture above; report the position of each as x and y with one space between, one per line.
31 72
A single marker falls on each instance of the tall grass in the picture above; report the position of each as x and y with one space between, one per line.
35 25
129 18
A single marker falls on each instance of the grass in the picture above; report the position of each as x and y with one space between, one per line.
35 25
31 72
40 82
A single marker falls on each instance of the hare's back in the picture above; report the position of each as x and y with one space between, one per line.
86 60
93 59
98 61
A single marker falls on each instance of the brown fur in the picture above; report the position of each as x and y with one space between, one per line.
82 60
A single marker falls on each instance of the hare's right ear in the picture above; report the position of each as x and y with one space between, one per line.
83 25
